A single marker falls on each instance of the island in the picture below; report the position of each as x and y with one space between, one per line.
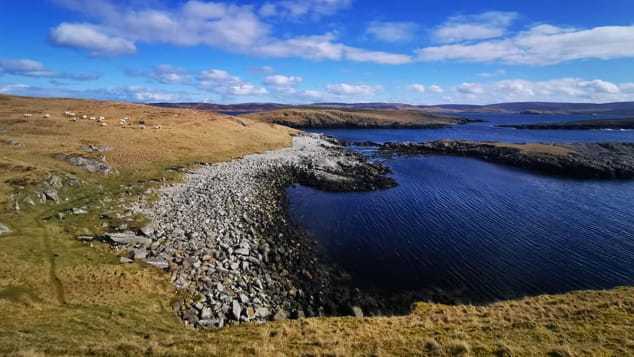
579 160
613 124
327 118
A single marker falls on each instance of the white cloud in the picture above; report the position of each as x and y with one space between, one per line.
279 80
24 67
324 47
542 45
32 68
392 31
231 27
303 8
487 25
223 83
345 89
436 88
554 90
89 37
418 88
470 88
165 74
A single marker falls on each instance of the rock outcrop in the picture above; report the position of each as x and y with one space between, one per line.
582 160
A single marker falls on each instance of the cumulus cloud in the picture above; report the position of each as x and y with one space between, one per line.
165 74
223 83
303 8
557 90
324 47
345 89
32 68
487 25
90 38
542 45
434 88
236 28
392 31
417 88
470 88
279 80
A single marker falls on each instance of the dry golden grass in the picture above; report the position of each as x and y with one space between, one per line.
534 148
307 117
62 297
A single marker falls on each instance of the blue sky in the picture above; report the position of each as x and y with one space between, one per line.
293 51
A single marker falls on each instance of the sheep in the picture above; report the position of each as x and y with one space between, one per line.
157 126
47 115
27 115
103 124
93 118
102 118
84 116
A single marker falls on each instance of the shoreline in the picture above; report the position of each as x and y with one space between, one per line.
225 237
579 160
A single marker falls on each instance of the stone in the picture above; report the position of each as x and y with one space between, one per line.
4 229
79 211
139 254
158 263
127 238
236 309
357 311
242 251
51 195
280 315
148 230
125 260
205 313
85 238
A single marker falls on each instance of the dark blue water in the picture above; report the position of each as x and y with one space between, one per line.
488 131
483 230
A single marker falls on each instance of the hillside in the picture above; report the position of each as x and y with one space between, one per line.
614 124
62 296
334 118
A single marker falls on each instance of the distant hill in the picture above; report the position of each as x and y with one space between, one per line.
355 118
537 108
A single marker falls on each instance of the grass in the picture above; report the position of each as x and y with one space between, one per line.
59 296
309 117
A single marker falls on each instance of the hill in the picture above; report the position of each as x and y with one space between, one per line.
614 124
339 118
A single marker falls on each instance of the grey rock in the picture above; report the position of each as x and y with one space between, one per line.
357 311
85 238
88 164
127 238
4 229
236 309
158 263
280 315
125 260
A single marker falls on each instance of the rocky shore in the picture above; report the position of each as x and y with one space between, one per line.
224 236
581 160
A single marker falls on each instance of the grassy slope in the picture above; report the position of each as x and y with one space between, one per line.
306 117
60 296
627 123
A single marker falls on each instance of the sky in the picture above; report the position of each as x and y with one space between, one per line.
294 51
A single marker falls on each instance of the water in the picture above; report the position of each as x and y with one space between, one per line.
484 230
488 130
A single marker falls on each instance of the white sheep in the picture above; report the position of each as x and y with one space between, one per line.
27 115
47 115
84 116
